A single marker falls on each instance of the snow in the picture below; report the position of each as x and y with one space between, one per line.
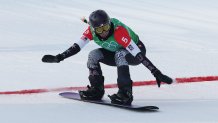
180 37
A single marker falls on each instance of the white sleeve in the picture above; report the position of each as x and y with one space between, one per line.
133 48
82 42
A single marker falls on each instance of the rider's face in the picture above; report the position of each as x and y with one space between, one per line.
104 34
103 30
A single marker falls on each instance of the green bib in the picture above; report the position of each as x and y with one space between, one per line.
111 44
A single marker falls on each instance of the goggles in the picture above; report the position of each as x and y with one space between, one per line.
103 28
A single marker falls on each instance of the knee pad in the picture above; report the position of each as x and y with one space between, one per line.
93 59
120 58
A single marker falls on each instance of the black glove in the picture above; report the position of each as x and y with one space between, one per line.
162 78
52 59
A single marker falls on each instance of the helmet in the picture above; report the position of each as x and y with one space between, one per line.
98 18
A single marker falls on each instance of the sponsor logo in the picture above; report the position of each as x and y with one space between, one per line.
131 47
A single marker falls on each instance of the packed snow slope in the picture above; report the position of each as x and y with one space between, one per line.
180 37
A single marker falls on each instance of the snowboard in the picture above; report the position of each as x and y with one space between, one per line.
76 96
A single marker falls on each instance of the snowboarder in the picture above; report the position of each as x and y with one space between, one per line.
121 47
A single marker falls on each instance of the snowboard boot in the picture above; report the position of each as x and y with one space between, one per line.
124 95
122 98
95 91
